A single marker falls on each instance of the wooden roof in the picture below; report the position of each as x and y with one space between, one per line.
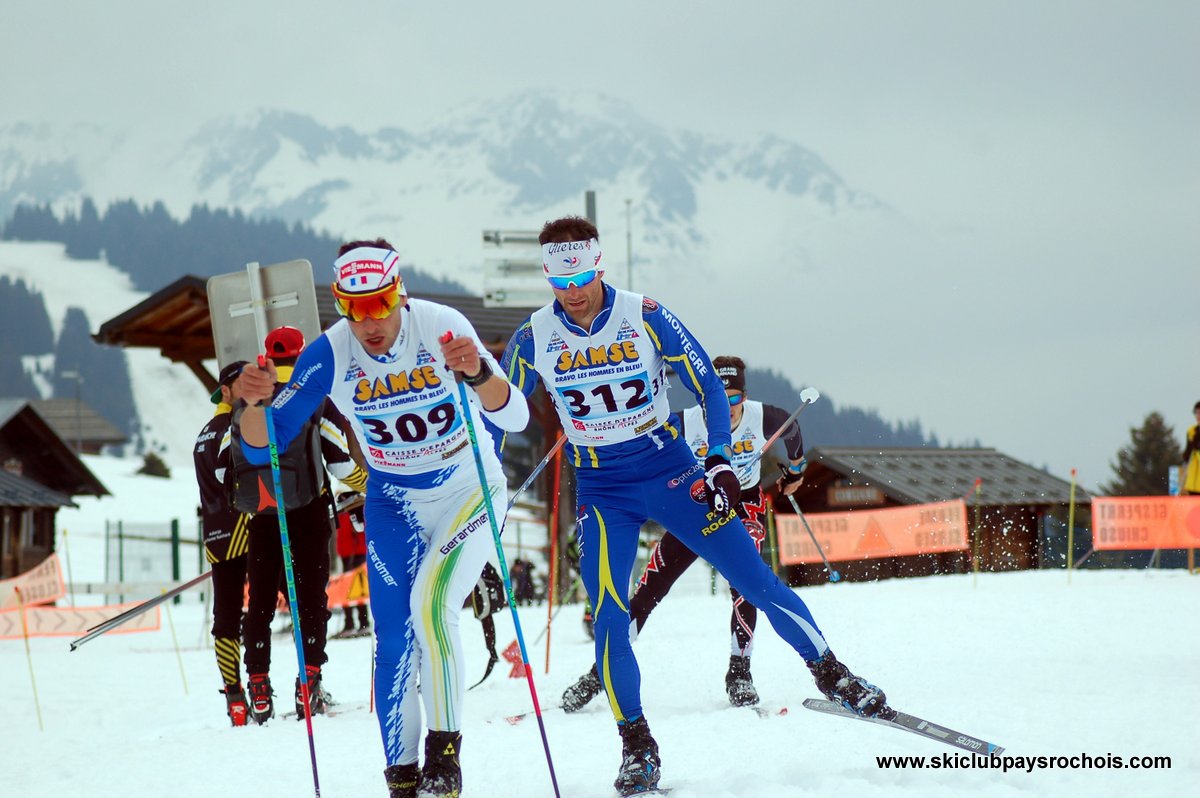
176 321
43 457
74 420
924 475
17 491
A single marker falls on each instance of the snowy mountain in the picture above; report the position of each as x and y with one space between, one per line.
508 163
740 238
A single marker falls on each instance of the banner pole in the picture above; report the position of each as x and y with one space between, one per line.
70 579
37 704
175 642
1071 529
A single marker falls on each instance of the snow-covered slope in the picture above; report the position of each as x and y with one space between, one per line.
170 401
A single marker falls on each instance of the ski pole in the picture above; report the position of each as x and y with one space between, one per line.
465 401
175 642
807 397
537 470
834 576
293 603
134 612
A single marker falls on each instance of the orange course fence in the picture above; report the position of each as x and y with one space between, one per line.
1146 522
72 622
868 534
22 613
39 585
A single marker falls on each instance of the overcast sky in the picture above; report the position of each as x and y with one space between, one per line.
1029 137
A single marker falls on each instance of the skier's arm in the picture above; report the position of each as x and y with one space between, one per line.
312 379
681 349
517 361
335 449
791 442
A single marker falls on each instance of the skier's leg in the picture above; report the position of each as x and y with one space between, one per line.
460 542
264 561
395 548
725 543
310 554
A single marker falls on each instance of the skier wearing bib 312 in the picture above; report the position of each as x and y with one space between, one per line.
603 355
428 534
752 423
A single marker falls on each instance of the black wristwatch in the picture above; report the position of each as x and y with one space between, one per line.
485 374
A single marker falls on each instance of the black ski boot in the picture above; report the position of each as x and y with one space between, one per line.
318 700
402 780
640 767
441 777
262 703
739 685
842 687
235 704
578 695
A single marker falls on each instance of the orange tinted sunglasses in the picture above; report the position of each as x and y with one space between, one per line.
377 304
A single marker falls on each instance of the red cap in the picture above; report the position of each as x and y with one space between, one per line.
284 342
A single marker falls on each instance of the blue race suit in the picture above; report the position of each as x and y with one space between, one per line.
427 526
608 386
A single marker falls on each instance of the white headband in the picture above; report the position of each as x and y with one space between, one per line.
570 257
366 269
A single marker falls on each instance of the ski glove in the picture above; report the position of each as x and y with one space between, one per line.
724 492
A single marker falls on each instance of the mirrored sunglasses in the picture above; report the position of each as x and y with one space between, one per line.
375 305
735 399
578 280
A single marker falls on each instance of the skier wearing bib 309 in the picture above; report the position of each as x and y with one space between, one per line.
603 355
428 534
752 423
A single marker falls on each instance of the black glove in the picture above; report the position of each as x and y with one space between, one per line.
724 491
789 477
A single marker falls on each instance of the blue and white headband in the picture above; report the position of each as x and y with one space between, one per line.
565 258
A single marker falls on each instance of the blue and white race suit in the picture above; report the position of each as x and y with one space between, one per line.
428 533
608 386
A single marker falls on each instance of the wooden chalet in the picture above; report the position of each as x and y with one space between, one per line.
39 473
1005 517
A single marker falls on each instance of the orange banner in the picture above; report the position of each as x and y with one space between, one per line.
349 589
867 534
41 584
1146 522
64 621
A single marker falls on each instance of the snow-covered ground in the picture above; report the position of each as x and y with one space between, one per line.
1105 665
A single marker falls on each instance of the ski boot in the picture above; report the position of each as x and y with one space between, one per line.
577 696
235 704
842 687
441 777
739 685
262 703
402 780
640 767
318 700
